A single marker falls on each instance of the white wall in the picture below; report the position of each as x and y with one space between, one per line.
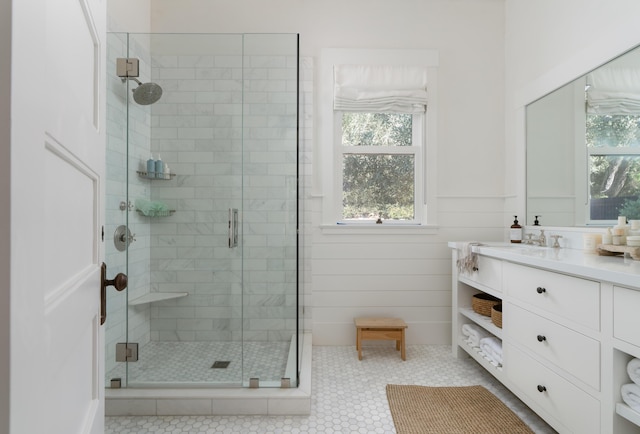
128 16
5 207
549 43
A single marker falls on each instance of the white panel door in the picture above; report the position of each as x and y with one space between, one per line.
57 213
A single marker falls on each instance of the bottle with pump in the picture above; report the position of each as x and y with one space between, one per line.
515 234
151 167
159 168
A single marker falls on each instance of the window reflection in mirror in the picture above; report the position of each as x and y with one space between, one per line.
583 148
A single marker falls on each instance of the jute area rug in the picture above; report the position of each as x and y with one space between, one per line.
451 410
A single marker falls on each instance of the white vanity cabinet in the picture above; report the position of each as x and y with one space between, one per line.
567 334
556 366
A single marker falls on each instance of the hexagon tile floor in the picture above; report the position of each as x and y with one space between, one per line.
348 395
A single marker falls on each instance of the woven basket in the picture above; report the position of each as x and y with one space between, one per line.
496 315
482 303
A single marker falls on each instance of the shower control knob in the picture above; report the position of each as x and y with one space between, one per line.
540 289
541 338
541 388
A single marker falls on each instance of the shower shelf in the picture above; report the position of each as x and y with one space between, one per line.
158 213
145 175
156 296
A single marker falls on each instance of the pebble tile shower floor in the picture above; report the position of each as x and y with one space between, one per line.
348 396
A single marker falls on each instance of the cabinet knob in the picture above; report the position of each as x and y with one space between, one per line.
540 289
541 338
541 388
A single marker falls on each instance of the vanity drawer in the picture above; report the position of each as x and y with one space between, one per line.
488 274
571 298
572 407
626 315
555 343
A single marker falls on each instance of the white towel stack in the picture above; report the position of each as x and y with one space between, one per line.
631 392
474 334
491 348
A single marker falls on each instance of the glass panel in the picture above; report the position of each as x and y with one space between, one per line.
115 328
378 186
185 260
225 130
376 129
614 186
269 219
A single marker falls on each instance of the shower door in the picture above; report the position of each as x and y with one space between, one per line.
209 245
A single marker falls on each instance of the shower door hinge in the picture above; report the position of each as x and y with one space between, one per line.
127 352
127 67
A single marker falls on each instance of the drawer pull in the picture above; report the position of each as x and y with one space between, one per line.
540 289
541 338
541 388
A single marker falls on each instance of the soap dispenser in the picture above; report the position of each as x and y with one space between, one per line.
159 168
516 231
151 167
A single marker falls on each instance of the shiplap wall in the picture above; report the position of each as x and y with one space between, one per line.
405 276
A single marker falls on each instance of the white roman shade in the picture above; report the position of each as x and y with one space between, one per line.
614 91
380 88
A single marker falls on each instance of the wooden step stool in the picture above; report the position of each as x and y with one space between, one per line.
380 329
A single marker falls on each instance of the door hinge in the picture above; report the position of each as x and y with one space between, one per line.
127 352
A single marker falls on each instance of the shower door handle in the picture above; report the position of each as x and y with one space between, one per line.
233 227
119 282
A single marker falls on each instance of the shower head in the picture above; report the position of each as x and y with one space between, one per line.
146 93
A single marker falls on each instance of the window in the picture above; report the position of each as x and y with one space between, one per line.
613 143
613 149
377 139
381 158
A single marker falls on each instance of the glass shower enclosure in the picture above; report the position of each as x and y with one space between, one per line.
202 210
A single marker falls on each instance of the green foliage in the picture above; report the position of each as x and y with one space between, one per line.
613 175
630 209
379 184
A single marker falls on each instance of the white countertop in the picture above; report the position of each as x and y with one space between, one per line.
615 269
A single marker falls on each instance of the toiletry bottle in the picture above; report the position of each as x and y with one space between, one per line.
516 231
159 168
151 167
167 171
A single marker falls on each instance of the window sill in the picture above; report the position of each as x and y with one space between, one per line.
376 229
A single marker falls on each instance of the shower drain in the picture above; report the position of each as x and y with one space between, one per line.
218 364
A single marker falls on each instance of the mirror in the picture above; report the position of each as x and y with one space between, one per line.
583 148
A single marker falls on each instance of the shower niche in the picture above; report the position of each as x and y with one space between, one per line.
222 111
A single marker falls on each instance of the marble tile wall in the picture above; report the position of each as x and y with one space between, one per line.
226 126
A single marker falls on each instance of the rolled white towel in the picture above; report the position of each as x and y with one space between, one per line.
631 395
474 334
633 369
492 348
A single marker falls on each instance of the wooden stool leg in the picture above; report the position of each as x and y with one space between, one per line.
359 343
402 353
398 345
